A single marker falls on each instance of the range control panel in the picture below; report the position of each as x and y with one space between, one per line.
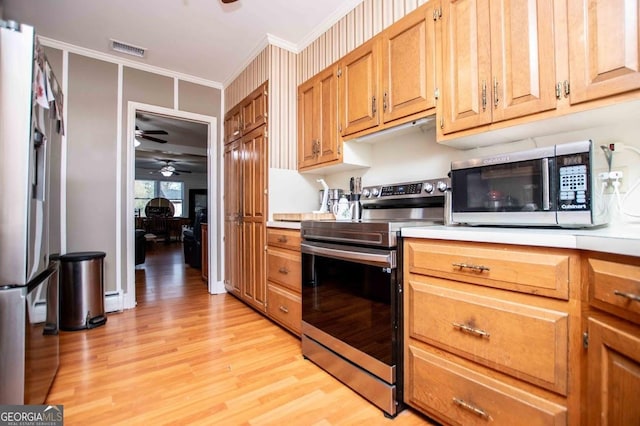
425 188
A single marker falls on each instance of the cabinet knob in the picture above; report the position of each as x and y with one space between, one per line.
284 309
283 270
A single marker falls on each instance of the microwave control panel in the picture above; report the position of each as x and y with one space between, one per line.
574 182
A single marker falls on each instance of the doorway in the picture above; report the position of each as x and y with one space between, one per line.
164 154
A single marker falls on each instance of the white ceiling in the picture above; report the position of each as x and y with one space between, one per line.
202 38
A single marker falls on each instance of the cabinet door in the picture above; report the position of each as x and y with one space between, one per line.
522 58
358 85
466 67
614 372
327 97
604 48
308 124
254 109
408 74
232 129
254 205
232 229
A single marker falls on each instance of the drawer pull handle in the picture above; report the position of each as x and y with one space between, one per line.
284 309
478 268
282 239
471 330
630 296
283 270
480 412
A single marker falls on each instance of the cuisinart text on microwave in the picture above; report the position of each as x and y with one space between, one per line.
548 186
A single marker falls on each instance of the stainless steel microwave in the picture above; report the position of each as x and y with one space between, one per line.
549 186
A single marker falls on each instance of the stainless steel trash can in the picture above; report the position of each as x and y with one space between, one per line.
82 290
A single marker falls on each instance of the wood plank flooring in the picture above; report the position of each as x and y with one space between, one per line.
186 357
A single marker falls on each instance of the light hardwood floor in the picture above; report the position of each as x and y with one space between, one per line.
186 357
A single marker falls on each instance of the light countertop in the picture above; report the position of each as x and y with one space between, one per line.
620 240
283 224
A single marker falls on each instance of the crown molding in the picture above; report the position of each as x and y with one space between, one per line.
346 7
270 39
56 44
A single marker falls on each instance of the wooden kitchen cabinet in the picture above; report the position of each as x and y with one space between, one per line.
254 217
604 41
245 200
232 130
318 139
254 109
497 62
613 339
233 261
408 64
492 332
359 88
284 278
249 114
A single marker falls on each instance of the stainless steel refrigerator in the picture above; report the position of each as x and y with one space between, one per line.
30 126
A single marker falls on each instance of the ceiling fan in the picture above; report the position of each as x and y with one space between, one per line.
169 170
145 134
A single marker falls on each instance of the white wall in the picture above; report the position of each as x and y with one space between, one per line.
417 155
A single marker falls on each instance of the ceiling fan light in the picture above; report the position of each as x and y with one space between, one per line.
136 143
166 173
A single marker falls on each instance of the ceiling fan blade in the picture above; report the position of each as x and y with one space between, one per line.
151 138
154 132
228 1
183 171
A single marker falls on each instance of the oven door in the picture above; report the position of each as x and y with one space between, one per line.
350 304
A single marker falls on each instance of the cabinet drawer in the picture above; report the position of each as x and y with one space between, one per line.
543 272
461 396
284 307
285 238
283 267
614 286
524 341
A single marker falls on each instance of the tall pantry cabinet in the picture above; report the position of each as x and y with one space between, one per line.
245 200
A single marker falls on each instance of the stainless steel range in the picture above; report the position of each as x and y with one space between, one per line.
352 288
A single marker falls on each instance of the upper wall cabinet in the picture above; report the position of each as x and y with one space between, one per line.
358 86
254 109
497 61
408 68
604 47
249 114
388 80
232 130
318 141
391 78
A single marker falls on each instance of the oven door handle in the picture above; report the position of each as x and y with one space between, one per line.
385 259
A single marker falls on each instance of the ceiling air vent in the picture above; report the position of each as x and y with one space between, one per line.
129 49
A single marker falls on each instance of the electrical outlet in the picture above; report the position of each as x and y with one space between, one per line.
616 174
603 175
619 173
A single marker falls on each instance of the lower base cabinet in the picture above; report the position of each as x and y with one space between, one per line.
487 340
284 276
613 340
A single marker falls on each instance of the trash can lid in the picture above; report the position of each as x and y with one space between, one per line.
82 255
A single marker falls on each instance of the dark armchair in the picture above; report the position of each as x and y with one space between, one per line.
192 241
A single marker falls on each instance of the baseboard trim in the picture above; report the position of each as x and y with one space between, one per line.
113 302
